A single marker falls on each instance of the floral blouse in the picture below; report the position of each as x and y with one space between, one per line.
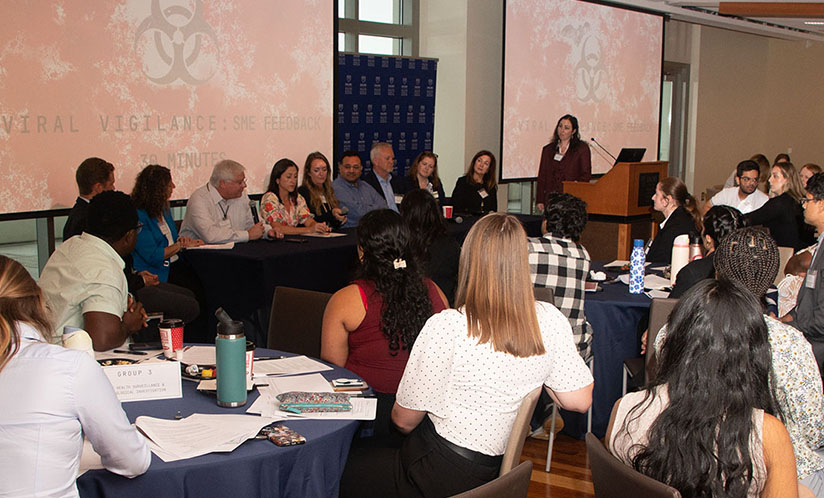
275 213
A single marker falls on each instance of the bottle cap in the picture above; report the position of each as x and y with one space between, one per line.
638 243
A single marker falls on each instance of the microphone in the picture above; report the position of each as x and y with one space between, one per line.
253 208
603 149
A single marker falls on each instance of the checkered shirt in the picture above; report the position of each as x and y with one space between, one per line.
563 265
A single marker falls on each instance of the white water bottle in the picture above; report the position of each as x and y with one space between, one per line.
636 267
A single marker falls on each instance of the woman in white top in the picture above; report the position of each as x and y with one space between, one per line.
51 398
468 372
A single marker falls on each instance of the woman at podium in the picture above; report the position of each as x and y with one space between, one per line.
565 158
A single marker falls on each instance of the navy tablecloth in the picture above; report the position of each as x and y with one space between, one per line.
257 468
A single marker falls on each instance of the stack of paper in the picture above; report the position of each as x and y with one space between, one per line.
198 434
267 404
289 366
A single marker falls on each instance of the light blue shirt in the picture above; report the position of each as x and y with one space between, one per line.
359 197
388 193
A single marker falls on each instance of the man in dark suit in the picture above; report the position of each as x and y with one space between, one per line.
808 315
94 175
381 178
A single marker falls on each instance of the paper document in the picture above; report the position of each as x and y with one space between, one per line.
286 366
650 282
268 405
198 434
199 355
330 235
656 294
227 245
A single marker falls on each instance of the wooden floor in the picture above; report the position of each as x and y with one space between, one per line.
570 475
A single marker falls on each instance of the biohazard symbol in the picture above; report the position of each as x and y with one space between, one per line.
177 44
590 75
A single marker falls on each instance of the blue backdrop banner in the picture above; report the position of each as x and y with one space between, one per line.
385 99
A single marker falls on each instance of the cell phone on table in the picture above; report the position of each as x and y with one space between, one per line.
284 436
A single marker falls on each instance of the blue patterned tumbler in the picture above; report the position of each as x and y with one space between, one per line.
636 267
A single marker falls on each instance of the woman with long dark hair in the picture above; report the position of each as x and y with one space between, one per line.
370 326
469 371
565 158
282 207
706 425
671 199
52 397
437 252
477 191
316 190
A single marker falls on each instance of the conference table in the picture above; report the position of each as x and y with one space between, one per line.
257 468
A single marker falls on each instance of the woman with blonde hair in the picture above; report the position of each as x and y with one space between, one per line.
782 214
51 398
318 193
469 370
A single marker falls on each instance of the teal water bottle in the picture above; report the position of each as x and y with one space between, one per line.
230 348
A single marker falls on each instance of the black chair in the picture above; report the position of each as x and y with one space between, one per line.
611 478
296 321
545 294
659 312
513 484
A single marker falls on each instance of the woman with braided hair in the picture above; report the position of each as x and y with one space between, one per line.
370 326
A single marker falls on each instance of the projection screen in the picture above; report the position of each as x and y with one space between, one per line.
181 83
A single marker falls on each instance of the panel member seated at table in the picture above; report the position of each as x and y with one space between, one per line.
423 174
678 207
558 261
782 213
317 191
179 292
745 197
437 251
282 207
219 211
52 397
94 175
370 326
354 193
83 280
477 191
468 373
382 178
712 401
718 223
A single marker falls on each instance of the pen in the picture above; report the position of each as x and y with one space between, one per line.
269 358
129 352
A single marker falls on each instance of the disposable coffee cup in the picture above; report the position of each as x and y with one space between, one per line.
447 212
250 363
171 338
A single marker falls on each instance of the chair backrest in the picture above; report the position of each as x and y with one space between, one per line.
296 320
520 428
659 312
545 294
784 255
513 484
612 479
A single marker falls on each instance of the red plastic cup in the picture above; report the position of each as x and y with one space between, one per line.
447 212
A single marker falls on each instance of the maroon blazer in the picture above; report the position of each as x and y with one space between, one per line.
575 166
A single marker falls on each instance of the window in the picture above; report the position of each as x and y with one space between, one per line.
384 27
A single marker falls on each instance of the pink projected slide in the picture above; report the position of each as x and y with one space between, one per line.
601 64
181 83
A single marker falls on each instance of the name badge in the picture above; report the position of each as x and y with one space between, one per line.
809 282
483 193
558 157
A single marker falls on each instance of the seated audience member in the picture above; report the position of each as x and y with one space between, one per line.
750 257
718 222
219 211
317 191
354 193
437 251
52 397
763 175
179 292
808 315
781 158
282 207
468 373
423 174
745 197
705 425
388 186
83 280
558 261
370 326
678 207
794 272
782 212
94 175
807 171
477 191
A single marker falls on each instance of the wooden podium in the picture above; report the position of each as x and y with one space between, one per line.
619 205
